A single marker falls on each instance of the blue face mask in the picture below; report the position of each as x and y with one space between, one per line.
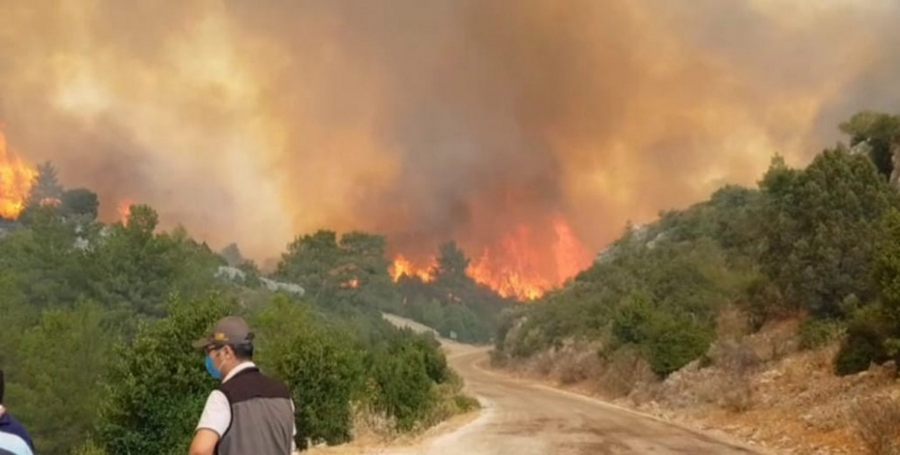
212 370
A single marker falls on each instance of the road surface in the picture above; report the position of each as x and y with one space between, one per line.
521 417
525 418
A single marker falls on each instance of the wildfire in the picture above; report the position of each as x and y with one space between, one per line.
523 265
403 266
124 210
519 267
16 180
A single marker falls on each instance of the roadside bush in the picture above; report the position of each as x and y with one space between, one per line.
668 341
450 402
403 389
320 366
624 369
158 384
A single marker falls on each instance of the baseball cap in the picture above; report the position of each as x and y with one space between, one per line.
231 330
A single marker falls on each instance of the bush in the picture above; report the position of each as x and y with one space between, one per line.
864 343
320 365
71 344
158 385
815 333
624 369
403 389
668 341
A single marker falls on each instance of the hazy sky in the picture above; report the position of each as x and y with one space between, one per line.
430 120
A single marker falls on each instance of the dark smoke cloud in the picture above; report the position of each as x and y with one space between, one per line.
431 120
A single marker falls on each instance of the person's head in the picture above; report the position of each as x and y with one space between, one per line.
229 344
2 387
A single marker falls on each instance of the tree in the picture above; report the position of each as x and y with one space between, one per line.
363 271
351 270
309 261
819 229
879 132
46 187
232 255
61 365
80 202
452 264
887 263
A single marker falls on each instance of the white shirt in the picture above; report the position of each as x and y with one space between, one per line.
217 412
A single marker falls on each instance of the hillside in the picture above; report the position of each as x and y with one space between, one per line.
687 294
114 309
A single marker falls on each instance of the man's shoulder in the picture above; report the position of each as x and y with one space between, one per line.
252 383
9 425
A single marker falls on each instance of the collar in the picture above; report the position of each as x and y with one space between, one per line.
240 367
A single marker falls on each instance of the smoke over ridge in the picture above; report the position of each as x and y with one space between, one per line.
489 122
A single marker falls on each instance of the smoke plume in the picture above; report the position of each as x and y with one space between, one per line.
499 124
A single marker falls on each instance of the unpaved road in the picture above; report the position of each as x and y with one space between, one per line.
521 417
524 418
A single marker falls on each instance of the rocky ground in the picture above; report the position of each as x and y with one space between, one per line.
760 388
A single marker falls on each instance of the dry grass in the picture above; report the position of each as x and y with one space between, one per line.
625 369
877 421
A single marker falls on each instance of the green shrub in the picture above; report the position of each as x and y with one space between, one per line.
320 364
158 385
668 341
815 333
864 343
74 344
403 389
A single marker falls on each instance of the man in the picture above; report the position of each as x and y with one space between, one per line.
249 413
14 440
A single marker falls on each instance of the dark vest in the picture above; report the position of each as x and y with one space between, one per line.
262 418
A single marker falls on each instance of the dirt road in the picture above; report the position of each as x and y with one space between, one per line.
524 418
521 417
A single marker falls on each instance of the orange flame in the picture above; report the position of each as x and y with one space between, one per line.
517 267
16 180
404 267
124 211
521 266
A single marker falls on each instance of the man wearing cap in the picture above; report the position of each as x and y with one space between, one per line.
249 413
14 440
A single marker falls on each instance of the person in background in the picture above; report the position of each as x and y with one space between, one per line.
249 413
14 440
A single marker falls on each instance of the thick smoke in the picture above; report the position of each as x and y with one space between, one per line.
431 120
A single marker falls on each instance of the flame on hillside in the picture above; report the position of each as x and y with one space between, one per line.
124 211
16 180
404 267
522 266
525 268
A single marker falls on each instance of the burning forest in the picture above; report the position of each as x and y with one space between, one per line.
16 180
531 135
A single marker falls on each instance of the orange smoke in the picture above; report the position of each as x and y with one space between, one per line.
404 267
16 180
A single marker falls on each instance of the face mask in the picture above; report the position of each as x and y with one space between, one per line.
212 370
